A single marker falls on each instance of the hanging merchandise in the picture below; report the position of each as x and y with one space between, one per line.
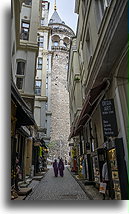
114 173
96 169
102 188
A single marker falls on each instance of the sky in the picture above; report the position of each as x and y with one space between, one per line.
65 9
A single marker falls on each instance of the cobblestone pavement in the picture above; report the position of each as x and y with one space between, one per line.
52 188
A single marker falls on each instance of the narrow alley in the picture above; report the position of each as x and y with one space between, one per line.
69 105
52 188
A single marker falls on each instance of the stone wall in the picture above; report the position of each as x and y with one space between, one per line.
60 120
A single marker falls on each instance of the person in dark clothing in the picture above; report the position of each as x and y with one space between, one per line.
17 172
55 167
61 167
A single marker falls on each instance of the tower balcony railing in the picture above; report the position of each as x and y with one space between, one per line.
60 48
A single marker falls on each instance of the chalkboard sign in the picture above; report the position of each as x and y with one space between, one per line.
109 118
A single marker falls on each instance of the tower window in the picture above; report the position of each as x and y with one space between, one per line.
56 56
56 43
65 44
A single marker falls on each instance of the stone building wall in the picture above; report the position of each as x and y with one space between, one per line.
60 120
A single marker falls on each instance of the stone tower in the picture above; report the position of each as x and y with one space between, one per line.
60 119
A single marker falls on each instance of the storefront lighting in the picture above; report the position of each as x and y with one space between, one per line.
112 150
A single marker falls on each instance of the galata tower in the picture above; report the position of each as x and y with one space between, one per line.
60 119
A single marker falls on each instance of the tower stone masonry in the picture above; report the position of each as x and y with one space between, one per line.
60 119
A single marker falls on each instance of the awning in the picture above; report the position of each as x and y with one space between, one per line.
23 114
91 102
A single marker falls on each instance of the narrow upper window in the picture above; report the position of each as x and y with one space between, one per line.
89 45
28 2
43 10
21 68
40 62
101 6
42 22
46 82
38 87
20 75
40 41
24 30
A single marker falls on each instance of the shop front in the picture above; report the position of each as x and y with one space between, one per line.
89 168
21 116
117 169
115 153
74 159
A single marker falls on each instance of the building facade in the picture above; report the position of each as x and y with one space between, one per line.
101 48
42 110
60 123
24 50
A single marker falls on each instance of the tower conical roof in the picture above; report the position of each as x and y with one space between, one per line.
56 18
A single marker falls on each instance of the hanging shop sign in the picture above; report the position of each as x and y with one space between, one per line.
109 122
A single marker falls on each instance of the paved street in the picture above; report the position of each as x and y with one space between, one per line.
52 188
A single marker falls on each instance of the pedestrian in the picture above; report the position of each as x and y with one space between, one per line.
105 179
61 167
83 167
17 172
55 167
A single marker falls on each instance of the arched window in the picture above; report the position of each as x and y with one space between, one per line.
56 40
66 41
56 43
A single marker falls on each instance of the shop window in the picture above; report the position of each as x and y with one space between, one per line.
96 138
40 62
40 41
20 75
25 30
38 87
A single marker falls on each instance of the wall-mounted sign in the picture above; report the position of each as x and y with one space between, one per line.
109 118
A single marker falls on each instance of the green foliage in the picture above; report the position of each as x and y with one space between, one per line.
52 144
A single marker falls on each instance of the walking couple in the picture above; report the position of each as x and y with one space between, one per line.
58 166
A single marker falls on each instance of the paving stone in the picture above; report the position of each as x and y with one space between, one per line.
57 188
38 178
24 191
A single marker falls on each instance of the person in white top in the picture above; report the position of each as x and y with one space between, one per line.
105 179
